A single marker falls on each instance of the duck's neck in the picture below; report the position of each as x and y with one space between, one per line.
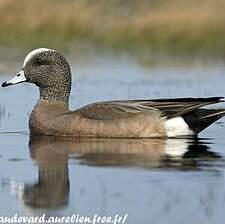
56 94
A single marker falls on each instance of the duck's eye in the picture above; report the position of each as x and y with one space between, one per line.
39 62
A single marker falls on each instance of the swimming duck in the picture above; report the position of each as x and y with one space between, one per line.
50 71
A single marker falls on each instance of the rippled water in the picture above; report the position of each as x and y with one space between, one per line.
153 181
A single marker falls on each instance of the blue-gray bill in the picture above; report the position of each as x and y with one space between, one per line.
19 78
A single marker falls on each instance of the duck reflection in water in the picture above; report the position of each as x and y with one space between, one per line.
51 191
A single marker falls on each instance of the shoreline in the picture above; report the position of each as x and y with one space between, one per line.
175 27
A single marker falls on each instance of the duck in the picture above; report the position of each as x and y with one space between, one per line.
50 71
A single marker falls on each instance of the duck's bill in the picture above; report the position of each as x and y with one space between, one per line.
20 77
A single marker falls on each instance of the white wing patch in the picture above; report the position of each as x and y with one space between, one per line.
34 52
177 127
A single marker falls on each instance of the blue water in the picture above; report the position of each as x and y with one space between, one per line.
153 181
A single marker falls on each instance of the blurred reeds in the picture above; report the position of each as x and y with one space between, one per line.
156 25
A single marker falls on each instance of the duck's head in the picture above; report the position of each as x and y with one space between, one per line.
48 70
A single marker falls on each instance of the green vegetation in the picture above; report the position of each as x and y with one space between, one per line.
194 26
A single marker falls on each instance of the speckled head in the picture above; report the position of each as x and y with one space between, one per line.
50 71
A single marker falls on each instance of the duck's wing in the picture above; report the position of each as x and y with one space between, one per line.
169 108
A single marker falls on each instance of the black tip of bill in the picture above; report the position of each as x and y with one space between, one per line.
4 84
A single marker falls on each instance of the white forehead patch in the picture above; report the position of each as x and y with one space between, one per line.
34 52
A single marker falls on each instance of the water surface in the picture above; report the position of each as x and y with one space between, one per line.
153 181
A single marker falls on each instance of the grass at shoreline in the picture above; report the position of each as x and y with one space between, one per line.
187 26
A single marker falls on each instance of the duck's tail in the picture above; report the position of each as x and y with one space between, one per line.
202 118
